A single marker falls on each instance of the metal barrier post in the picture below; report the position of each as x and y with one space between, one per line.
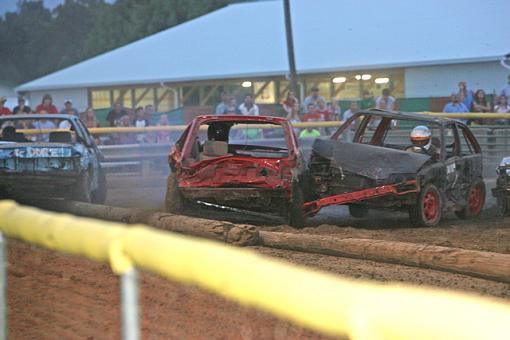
129 305
3 287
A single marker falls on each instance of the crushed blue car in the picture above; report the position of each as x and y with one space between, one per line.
49 156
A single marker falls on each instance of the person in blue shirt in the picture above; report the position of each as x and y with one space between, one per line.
455 106
465 94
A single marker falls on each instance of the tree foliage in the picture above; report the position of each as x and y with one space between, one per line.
35 41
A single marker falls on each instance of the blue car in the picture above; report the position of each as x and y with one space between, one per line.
49 156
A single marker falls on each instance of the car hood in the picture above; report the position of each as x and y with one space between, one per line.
370 161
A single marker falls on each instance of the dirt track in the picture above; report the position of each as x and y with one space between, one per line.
59 295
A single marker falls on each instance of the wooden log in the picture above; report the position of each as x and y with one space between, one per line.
483 264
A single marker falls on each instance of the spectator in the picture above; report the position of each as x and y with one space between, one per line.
385 102
43 124
163 136
69 109
231 108
90 119
248 107
322 111
465 94
334 109
456 106
4 111
125 138
293 115
352 110
46 105
21 108
311 114
506 90
367 101
221 108
309 132
140 122
289 103
114 115
502 105
479 103
313 98
149 113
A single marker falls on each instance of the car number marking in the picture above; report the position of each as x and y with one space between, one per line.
41 152
450 168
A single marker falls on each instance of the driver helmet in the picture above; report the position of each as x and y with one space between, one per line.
421 136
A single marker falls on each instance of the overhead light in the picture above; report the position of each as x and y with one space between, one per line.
366 76
382 80
358 77
338 80
246 84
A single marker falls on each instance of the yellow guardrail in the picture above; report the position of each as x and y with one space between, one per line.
322 302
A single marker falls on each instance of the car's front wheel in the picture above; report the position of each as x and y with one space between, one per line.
428 209
474 201
174 202
98 196
81 190
296 216
504 205
358 211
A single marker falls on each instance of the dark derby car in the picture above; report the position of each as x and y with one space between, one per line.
370 162
502 189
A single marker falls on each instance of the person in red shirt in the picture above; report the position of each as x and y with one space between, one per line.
322 111
311 114
4 111
46 105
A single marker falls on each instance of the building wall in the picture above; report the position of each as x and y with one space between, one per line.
78 96
442 80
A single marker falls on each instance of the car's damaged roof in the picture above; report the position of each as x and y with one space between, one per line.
407 115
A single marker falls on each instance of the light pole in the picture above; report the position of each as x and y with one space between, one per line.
290 47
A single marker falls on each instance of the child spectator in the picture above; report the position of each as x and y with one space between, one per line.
46 105
313 99
69 109
465 94
289 103
4 111
385 101
248 107
115 114
21 108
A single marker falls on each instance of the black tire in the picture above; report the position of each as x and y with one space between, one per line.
428 209
81 190
296 217
358 211
504 205
474 201
174 202
99 195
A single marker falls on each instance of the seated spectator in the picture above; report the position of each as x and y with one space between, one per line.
140 122
69 109
21 108
163 136
352 110
367 101
231 108
334 109
506 90
221 108
385 101
313 99
465 94
115 114
309 132
455 106
480 103
90 119
46 105
125 138
502 107
322 111
4 111
289 103
248 107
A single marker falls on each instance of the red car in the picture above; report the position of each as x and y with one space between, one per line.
243 162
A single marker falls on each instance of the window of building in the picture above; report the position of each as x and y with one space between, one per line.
166 99
100 99
264 92
144 96
124 96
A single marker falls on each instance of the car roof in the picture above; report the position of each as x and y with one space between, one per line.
38 116
240 118
408 115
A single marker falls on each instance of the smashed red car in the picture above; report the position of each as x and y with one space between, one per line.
245 162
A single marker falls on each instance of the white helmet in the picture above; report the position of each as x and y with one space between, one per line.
421 136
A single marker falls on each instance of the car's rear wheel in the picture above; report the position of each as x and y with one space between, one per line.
81 190
174 201
358 211
296 217
99 195
427 211
474 201
504 205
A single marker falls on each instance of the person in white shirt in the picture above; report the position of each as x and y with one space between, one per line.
248 107
385 102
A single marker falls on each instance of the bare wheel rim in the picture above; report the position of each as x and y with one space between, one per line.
431 206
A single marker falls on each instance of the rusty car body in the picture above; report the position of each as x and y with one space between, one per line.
49 156
234 161
365 165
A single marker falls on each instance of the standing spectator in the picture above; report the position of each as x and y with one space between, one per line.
367 101
456 106
334 109
221 108
352 110
465 94
231 108
310 114
506 90
309 132
114 115
385 102
313 98
289 103
90 119
322 111
248 107
69 109
21 108
480 103
46 105
163 136
4 111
